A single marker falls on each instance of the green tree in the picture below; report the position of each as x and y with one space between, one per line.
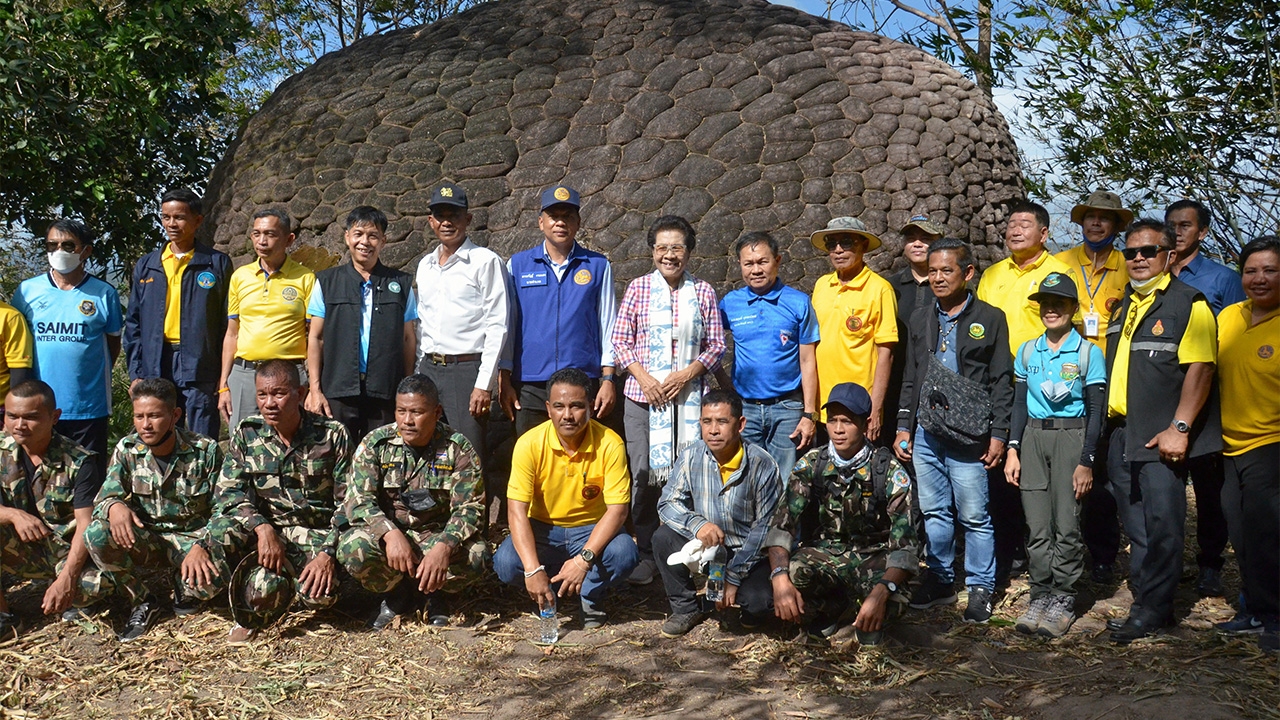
103 106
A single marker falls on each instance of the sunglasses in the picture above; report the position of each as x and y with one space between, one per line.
848 243
1147 251
70 246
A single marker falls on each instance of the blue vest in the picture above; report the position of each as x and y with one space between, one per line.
558 323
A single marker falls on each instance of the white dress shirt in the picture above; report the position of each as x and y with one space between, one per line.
462 307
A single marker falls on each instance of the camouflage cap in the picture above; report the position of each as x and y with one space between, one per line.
259 596
924 223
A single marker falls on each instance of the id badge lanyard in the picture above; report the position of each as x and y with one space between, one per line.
1091 318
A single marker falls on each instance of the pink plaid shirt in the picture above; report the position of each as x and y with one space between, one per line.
631 330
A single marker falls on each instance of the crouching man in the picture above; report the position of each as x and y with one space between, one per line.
847 513
415 502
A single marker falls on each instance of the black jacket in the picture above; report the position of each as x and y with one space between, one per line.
344 308
982 351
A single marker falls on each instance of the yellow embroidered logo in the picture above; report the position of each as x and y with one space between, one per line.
289 293
977 332
582 277
561 194
446 192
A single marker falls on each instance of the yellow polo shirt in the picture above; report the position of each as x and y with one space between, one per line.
1101 290
1199 344
19 347
564 490
1007 286
728 469
174 267
1249 376
853 318
271 310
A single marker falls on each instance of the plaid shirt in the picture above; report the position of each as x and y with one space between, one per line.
742 507
631 330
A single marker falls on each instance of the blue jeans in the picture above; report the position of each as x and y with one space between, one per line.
557 544
770 426
945 475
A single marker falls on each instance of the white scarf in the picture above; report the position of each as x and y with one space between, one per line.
676 424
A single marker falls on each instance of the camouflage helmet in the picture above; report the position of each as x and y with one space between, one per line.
259 596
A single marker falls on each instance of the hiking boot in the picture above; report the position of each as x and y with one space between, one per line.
8 626
241 635
437 610
1242 624
1029 623
932 592
681 623
1209 583
183 604
979 608
140 619
1058 617
644 573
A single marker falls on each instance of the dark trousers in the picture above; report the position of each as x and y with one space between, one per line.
455 382
1099 516
198 400
1211 524
1008 521
1152 497
755 594
1251 501
90 435
362 414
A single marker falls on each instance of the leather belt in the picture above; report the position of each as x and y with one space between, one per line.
442 359
1057 423
793 395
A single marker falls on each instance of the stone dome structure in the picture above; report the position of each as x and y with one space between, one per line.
736 114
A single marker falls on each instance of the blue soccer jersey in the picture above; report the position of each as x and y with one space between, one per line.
71 329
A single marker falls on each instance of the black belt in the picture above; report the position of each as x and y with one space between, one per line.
253 364
1076 423
793 395
441 359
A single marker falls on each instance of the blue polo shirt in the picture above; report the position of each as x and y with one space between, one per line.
1062 367
768 331
315 308
1220 284
70 329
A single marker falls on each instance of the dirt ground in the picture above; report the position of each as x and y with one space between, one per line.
485 666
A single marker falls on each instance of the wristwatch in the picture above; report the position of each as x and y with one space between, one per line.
589 556
815 417
893 586
1181 426
611 377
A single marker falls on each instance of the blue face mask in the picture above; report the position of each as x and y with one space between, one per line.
1108 241
1055 391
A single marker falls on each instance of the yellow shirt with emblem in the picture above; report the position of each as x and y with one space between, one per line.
853 318
174 267
271 310
728 469
565 490
1101 290
1249 376
19 346
1007 286
1199 345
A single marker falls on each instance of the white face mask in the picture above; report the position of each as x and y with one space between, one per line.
1145 287
64 262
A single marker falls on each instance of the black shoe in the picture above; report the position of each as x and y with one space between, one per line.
979 608
437 611
183 604
1269 639
1102 574
1209 583
8 626
681 623
1114 624
72 614
869 639
1133 629
751 621
826 621
932 592
140 620
394 604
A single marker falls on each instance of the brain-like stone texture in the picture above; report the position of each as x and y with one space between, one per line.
737 114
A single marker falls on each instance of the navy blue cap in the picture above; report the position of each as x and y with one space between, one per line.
560 195
1055 284
449 194
851 395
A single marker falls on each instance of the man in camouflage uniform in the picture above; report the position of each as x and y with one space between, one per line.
282 486
47 486
848 506
154 507
415 501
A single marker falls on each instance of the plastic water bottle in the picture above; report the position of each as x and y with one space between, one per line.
548 623
715 576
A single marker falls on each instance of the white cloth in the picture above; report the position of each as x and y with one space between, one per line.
694 555
462 307
674 425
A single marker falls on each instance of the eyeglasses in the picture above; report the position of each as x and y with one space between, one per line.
66 245
669 249
1147 251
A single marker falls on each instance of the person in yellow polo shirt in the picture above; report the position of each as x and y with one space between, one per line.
1161 351
857 313
1249 377
266 311
567 500
1008 283
19 349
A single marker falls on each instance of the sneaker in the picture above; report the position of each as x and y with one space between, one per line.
644 573
1209 583
1029 623
1242 624
932 592
140 620
681 623
826 621
437 610
592 616
1059 617
240 635
979 608
8 626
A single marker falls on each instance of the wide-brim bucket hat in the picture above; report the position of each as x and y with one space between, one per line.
1103 200
844 226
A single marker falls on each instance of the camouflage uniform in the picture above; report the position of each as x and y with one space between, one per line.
297 488
847 536
174 506
50 496
383 469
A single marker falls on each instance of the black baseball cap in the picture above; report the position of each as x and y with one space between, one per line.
1056 284
852 396
449 194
